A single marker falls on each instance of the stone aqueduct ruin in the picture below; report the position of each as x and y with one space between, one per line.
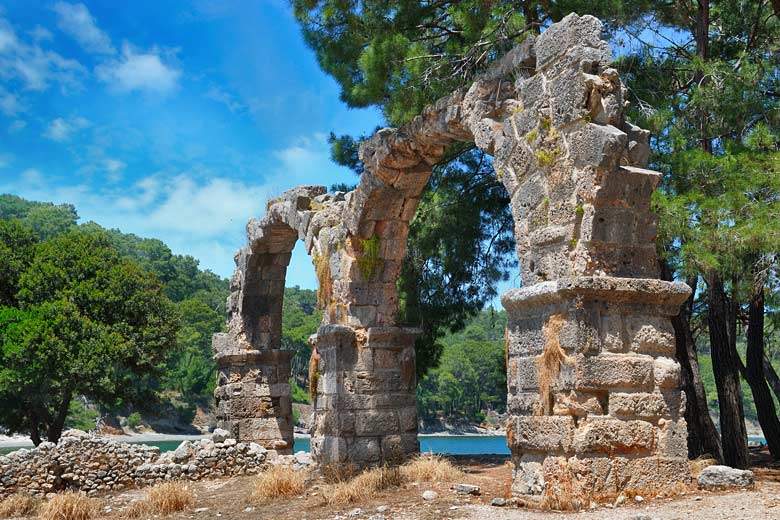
593 385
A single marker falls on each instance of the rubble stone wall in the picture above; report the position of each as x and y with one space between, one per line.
92 464
593 383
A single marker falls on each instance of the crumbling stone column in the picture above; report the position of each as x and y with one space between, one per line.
366 405
594 394
253 389
253 394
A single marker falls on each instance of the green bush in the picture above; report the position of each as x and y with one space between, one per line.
80 417
134 420
299 395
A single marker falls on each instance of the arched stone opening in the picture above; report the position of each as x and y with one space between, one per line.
253 390
593 386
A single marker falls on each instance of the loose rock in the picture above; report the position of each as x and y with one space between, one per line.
724 477
466 489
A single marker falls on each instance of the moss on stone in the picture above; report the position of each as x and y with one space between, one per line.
369 262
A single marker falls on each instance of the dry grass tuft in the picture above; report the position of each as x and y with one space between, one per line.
697 465
365 485
163 499
431 468
19 504
70 506
279 482
549 364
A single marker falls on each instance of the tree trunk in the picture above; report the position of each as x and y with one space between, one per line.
35 433
703 437
772 378
765 406
725 366
54 431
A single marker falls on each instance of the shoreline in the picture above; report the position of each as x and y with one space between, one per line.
21 441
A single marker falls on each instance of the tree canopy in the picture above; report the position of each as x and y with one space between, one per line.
85 322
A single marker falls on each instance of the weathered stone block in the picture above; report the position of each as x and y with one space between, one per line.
523 403
551 434
673 438
365 450
376 423
650 335
666 372
647 405
613 436
614 370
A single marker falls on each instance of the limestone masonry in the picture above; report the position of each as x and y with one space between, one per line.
593 384
80 461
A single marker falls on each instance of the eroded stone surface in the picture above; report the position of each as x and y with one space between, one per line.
592 381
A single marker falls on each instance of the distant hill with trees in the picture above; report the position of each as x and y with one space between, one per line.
467 382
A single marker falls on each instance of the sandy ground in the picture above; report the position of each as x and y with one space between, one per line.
229 498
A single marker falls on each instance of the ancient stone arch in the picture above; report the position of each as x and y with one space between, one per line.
593 386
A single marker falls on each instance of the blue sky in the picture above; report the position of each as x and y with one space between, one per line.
171 120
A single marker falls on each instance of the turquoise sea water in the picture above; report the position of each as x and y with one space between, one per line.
460 445
451 445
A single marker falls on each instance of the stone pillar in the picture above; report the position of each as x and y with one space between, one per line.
594 389
366 405
253 394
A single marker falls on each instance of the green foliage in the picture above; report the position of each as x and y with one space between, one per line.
86 322
199 295
300 319
17 242
460 246
81 417
545 158
46 219
400 55
471 376
369 261
344 150
299 395
134 420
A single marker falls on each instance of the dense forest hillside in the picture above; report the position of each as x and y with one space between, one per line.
468 383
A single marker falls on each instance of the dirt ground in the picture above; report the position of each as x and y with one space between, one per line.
229 499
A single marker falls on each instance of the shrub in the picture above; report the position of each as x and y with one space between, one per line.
298 394
134 420
80 417
19 504
279 482
70 506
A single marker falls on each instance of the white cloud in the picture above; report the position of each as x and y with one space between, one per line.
40 33
62 130
17 126
200 212
114 169
7 36
226 98
5 159
31 176
76 21
35 67
114 165
9 103
140 71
